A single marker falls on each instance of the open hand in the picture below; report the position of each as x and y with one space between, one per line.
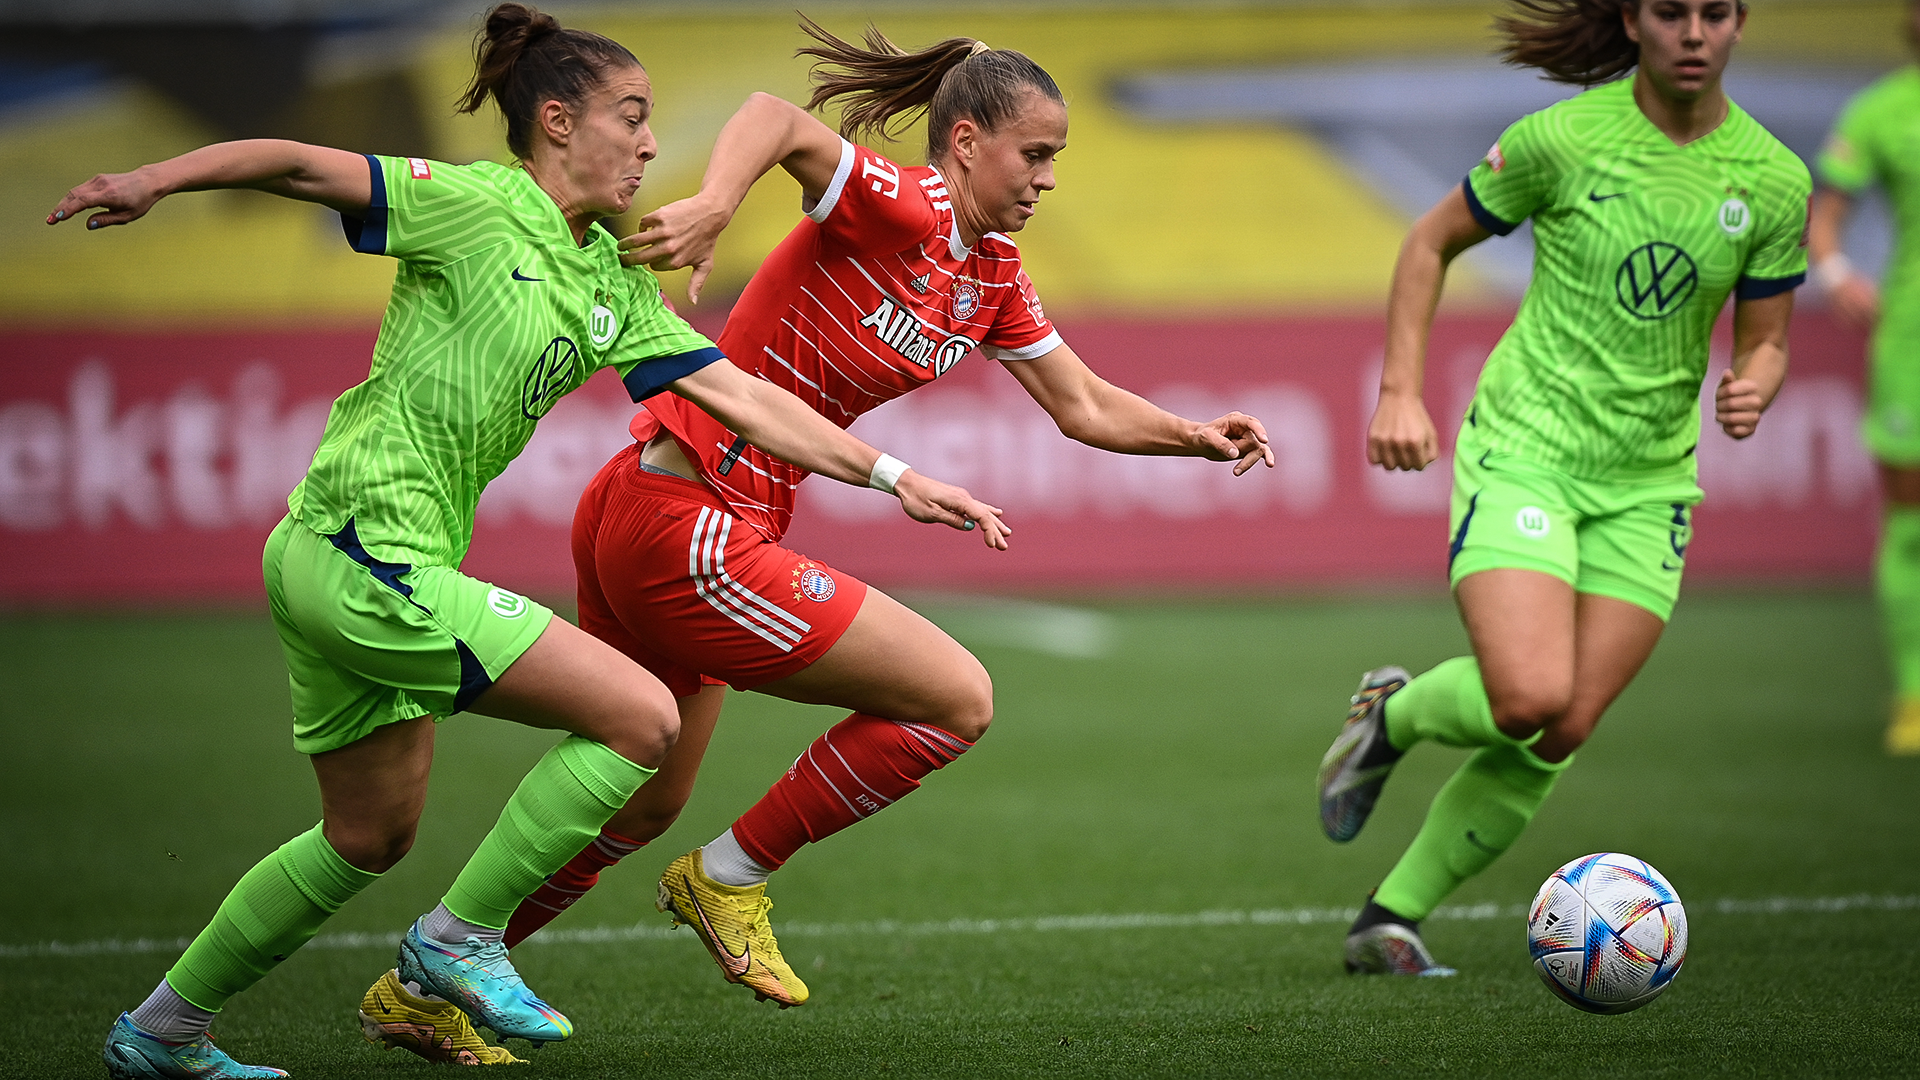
1235 437
931 501
1856 301
124 196
1401 435
678 234
1737 404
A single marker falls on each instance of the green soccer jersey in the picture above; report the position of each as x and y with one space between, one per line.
1877 140
1638 243
495 314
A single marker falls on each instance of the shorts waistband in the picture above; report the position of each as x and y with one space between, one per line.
662 484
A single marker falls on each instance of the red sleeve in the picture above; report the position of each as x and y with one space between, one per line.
873 204
1021 330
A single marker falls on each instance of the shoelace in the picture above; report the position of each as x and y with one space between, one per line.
492 959
762 927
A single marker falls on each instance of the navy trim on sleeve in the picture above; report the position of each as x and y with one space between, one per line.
368 235
1488 220
1758 288
649 377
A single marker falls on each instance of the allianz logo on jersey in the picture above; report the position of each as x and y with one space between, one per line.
901 330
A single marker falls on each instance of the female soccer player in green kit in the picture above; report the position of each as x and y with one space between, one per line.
1652 198
509 294
1874 142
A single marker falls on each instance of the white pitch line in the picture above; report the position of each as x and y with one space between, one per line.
1045 924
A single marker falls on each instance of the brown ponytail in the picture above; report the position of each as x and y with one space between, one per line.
1583 42
958 78
523 59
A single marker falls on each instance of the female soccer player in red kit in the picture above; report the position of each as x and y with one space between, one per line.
897 273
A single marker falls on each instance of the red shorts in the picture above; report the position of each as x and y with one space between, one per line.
694 594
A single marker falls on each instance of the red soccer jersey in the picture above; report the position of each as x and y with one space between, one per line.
870 297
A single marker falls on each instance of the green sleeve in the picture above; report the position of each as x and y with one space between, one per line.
1778 260
1516 178
1848 161
654 346
427 212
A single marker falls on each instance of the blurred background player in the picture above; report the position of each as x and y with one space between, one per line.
508 296
1874 142
896 274
1653 197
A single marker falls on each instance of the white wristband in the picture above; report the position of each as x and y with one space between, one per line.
1832 272
886 473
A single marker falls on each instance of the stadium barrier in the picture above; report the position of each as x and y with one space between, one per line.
151 465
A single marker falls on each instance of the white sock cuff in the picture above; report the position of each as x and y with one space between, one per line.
726 862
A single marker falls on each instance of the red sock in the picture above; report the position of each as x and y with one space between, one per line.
569 883
859 767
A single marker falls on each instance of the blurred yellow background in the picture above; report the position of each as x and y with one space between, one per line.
1149 218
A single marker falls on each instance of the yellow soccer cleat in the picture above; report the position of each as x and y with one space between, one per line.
732 923
391 1016
1903 735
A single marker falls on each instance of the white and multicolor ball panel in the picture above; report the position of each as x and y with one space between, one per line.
1607 932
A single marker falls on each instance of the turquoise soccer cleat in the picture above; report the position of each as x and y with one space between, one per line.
478 977
132 1054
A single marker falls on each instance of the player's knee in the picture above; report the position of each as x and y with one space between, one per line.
1525 713
373 847
971 710
646 726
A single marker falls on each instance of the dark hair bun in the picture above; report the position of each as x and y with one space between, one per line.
523 57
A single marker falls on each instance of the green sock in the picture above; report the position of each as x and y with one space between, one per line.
1898 578
556 811
277 907
1478 814
1447 704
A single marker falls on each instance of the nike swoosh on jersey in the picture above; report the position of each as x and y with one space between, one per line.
733 965
1597 197
518 276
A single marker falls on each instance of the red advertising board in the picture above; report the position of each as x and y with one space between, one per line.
151 466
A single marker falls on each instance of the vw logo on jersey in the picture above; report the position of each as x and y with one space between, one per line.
1735 217
1533 522
1655 280
507 605
601 324
551 376
813 583
951 352
966 299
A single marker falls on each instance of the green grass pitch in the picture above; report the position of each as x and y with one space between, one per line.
147 764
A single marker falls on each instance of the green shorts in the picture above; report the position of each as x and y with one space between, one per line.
1891 426
370 643
1622 539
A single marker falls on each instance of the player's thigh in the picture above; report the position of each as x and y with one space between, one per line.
373 790
568 680
1900 484
1612 641
1521 624
1512 562
892 662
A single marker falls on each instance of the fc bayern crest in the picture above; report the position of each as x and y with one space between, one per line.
966 299
815 584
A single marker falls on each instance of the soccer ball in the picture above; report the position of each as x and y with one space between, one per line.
1607 933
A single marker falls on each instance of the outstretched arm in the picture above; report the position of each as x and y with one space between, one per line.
335 179
1091 410
766 131
1402 435
1759 363
782 425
